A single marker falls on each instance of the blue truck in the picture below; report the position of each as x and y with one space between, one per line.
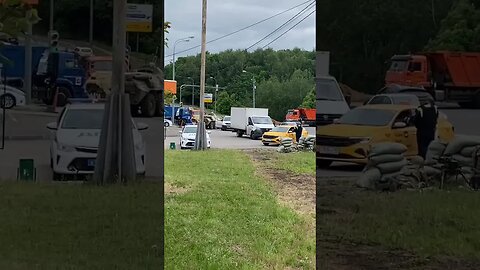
181 115
50 71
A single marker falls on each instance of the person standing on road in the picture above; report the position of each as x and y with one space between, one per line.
298 132
426 118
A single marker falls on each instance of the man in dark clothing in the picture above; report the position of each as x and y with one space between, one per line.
298 132
426 123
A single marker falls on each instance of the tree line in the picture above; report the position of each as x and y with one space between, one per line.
282 78
72 17
363 35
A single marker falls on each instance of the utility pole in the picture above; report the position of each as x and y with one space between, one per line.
201 137
116 155
216 93
28 60
51 14
90 36
254 90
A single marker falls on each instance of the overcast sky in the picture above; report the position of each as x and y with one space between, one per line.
226 16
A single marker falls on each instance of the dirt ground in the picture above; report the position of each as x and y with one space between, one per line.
337 197
336 253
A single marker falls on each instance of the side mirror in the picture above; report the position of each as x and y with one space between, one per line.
52 126
142 126
399 125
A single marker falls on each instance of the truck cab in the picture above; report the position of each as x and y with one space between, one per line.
409 70
330 101
65 74
257 125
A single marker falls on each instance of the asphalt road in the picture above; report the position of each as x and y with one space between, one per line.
223 139
27 137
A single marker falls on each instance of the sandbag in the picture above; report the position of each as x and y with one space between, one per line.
387 148
281 149
392 167
468 151
459 143
417 160
431 171
435 150
463 160
375 160
369 178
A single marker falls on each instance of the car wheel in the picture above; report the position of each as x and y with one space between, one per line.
323 164
148 105
266 144
7 101
167 124
239 133
62 96
57 176
158 105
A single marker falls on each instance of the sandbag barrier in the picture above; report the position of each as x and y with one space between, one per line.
388 169
287 145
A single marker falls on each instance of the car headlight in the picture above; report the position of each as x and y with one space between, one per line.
65 148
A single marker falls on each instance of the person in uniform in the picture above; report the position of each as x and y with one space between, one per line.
426 118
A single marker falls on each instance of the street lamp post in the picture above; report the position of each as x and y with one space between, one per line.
187 39
254 86
215 94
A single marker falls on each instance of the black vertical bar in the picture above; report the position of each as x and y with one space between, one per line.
4 110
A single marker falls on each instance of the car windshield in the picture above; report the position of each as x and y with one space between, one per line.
261 120
413 100
399 65
226 118
102 65
281 129
190 130
83 119
328 89
367 117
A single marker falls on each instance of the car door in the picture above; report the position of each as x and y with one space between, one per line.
249 126
406 135
291 133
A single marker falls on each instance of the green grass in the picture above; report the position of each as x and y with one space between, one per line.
296 162
227 217
430 223
55 226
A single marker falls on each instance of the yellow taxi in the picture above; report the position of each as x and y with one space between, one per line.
350 138
275 136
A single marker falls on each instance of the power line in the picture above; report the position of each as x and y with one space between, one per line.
301 12
289 29
244 28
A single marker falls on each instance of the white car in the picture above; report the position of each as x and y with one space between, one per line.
84 51
188 135
226 123
73 149
167 123
11 97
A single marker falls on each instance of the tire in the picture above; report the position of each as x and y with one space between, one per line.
134 110
148 106
266 144
239 133
62 97
166 124
252 136
57 176
158 105
8 101
323 164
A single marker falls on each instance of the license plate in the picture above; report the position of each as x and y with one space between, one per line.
91 163
329 150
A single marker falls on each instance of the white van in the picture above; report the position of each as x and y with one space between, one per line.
331 104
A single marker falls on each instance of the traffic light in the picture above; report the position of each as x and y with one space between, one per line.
54 38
